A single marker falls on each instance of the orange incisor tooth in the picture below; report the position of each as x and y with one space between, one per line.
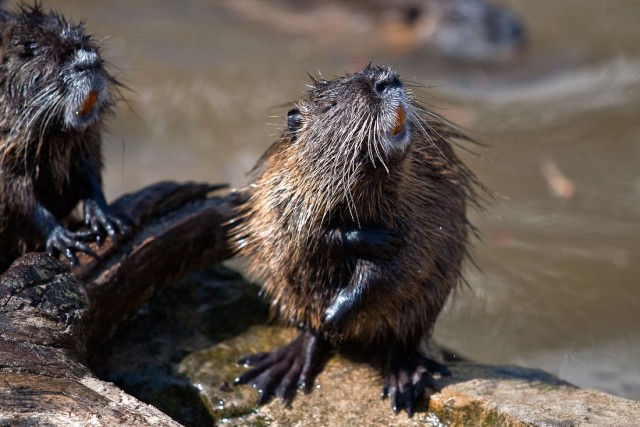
400 118
88 104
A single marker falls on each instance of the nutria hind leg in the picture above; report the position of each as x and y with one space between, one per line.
407 375
281 372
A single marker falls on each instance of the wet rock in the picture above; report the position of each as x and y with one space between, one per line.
145 356
180 354
347 393
514 396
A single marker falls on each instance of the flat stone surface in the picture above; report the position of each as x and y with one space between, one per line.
347 392
514 396
191 336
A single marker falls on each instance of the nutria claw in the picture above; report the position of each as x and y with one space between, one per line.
61 240
286 369
370 242
100 219
408 375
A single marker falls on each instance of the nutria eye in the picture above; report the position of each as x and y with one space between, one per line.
294 120
387 83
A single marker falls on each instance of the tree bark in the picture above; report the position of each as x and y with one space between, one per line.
51 313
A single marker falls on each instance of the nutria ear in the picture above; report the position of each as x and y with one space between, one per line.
294 120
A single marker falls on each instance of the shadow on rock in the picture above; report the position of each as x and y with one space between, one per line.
144 358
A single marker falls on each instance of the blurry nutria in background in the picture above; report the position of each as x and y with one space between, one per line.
468 30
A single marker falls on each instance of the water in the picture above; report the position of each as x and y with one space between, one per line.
559 271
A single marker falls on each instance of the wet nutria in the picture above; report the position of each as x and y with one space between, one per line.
357 222
469 30
54 94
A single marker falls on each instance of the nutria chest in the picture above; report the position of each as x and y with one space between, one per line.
60 178
420 196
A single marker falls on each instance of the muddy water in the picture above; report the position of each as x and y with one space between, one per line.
560 257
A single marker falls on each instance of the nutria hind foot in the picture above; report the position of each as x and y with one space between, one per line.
281 372
408 374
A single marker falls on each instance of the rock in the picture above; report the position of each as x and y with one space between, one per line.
193 334
144 358
347 393
515 396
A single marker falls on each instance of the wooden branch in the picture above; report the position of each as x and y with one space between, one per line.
49 313
183 229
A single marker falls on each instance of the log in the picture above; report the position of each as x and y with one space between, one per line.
50 313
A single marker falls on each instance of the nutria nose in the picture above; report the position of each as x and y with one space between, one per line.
86 60
388 82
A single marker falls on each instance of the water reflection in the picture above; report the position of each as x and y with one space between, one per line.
558 286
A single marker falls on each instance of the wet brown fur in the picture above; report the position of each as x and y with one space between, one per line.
45 156
334 172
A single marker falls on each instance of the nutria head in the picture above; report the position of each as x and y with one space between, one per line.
346 150
51 72
353 125
476 30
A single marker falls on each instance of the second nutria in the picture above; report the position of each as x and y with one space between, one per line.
357 223
467 30
54 94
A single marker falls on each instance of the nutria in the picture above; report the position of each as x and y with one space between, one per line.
357 223
54 94
467 30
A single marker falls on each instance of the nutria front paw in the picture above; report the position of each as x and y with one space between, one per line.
102 219
407 376
370 243
63 241
366 280
340 310
281 372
